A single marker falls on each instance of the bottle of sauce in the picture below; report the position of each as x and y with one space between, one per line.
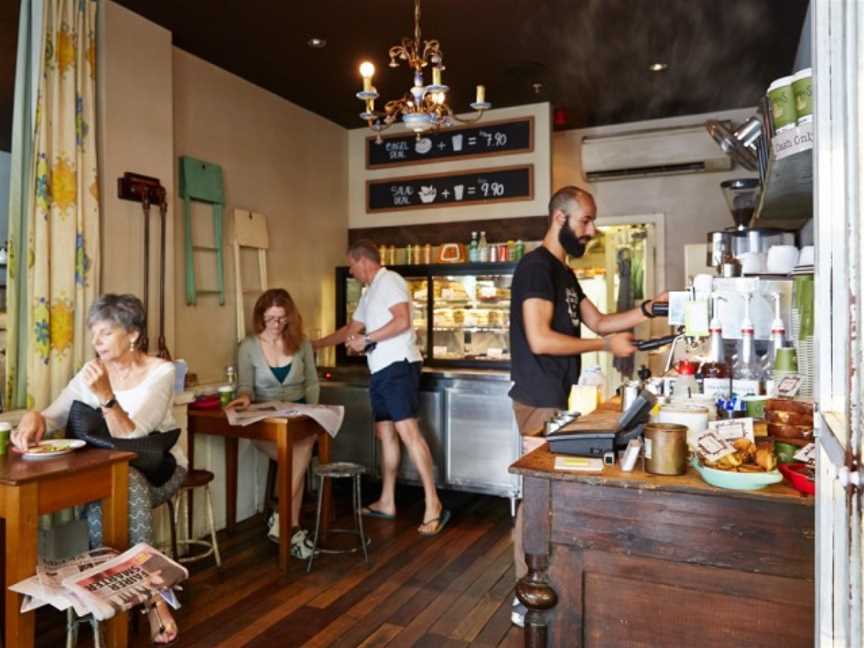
715 370
473 252
747 376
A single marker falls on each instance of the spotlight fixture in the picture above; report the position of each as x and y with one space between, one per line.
658 67
317 43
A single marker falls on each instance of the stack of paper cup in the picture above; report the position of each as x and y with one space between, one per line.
802 89
782 104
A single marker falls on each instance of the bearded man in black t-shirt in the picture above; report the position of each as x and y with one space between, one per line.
547 310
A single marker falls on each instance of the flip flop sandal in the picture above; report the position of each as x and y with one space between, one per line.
442 521
368 512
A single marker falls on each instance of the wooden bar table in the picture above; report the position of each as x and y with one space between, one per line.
633 559
283 431
29 489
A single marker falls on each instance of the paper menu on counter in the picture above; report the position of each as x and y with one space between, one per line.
807 454
731 429
579 464
712 447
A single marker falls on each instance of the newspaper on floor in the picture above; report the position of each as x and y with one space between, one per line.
125 581
46 587
328 417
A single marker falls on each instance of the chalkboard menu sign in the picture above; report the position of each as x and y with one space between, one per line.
451 189
493 138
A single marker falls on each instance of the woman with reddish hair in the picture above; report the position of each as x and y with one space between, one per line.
277 363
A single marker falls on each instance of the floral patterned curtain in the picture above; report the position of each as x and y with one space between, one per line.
58 251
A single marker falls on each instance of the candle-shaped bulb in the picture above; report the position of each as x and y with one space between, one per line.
367 70
436 76
438 97
481 94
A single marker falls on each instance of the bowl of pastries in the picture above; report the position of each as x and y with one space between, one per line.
749 467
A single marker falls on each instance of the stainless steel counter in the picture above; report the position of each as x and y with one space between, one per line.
466 417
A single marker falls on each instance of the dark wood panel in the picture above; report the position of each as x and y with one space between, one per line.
752 535
530 228
655 603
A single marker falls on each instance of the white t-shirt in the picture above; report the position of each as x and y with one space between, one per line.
148 405
386 290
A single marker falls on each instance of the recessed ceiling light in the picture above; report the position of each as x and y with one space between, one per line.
658 67
316 42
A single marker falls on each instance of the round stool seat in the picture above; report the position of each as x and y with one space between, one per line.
196 478
339 469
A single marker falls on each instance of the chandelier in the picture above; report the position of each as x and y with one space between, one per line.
423 107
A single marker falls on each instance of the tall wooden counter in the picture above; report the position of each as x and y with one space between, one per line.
632 559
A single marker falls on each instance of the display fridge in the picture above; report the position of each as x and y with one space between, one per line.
460 312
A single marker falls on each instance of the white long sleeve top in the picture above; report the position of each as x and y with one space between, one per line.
148 405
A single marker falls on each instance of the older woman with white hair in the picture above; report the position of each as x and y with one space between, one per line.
135 394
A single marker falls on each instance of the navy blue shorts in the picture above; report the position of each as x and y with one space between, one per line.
394 391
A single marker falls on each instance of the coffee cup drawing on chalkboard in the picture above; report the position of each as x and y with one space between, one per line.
427 194
423 146
458 191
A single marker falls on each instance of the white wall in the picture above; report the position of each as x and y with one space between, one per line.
693 204
5 161
136 133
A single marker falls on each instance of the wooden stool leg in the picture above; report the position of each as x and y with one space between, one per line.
212 525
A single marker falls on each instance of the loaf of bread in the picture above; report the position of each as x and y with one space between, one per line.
789 418
785 431
786 405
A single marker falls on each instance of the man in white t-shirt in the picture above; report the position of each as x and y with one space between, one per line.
381 327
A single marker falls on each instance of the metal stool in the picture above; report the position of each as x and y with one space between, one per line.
196 479
73 621
340 470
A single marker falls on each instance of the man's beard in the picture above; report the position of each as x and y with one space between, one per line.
573 245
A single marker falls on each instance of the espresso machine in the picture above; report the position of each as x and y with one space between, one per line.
742 197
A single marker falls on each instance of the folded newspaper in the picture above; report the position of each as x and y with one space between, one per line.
101 582
328 417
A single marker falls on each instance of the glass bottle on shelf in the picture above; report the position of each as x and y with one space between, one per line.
483 248
715 370
747 376
472 248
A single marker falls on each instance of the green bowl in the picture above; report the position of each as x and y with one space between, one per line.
737 480
785 452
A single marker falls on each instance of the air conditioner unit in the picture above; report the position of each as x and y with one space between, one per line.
655 152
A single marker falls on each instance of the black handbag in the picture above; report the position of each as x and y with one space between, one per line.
154 459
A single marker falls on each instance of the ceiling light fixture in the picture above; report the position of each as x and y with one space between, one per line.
423 107
658 67
317 43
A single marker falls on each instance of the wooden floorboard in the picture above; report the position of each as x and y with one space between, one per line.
452 590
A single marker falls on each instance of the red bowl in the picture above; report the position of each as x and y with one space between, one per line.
206 403
794 472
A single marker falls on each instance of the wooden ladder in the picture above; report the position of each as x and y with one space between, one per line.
250 231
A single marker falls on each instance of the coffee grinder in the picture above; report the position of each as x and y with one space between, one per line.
742 197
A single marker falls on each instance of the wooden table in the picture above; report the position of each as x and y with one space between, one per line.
283 431
628 558
29 489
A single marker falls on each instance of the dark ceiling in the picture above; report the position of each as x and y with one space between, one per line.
591 56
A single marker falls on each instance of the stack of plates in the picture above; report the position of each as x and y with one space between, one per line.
803 270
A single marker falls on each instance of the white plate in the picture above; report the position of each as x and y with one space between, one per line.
61 447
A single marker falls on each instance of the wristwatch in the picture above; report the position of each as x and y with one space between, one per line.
111 402
647 313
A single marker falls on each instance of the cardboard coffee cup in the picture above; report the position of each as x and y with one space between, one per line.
802 89
782 104
5 434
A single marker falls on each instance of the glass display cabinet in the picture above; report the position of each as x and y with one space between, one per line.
460 313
